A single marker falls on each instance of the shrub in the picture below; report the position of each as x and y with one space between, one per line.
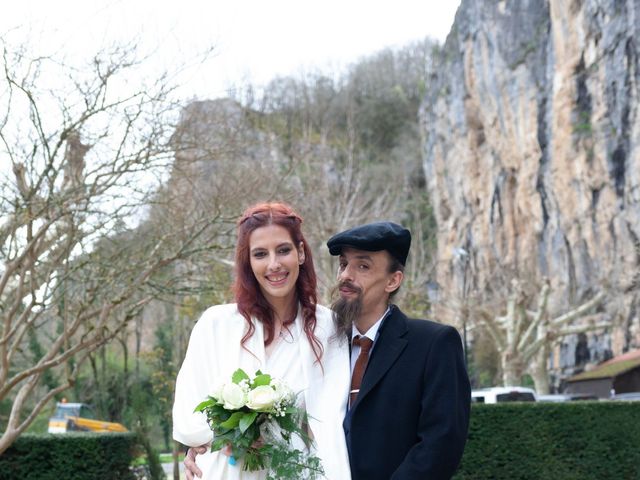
70 456
575 440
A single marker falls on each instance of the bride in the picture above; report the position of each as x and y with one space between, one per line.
277 327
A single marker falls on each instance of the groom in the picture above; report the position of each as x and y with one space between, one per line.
409 405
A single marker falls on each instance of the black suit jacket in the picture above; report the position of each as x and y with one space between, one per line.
411 417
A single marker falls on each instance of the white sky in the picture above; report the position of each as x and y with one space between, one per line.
253 40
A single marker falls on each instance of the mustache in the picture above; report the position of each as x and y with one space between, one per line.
347 284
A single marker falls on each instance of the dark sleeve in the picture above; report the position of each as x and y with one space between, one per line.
444 416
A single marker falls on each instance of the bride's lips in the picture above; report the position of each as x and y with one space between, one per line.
277 279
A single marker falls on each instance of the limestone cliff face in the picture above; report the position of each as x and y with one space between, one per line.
532 148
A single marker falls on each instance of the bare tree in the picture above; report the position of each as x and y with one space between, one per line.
83 150
524 337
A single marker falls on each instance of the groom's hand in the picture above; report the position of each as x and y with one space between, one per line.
191 470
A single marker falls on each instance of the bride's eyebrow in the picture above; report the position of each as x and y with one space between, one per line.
285 244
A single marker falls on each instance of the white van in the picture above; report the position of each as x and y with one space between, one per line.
503 394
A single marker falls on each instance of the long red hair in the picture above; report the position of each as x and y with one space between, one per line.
251 302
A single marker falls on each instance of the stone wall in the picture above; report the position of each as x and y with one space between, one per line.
532 154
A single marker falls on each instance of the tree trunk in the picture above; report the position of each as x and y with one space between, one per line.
97 382
7 438
539 373
176 461
124 388
138 334
511 374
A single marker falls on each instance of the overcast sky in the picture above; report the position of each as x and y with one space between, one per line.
253 40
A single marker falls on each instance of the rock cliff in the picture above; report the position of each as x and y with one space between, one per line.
532 152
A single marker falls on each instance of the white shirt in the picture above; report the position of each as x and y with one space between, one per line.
371 334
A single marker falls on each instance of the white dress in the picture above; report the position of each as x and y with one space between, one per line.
214 353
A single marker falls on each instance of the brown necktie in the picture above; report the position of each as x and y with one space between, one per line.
365 344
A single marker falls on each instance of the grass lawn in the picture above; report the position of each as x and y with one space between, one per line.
164 458
168 457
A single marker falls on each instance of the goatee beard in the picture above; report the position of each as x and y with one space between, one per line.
345 312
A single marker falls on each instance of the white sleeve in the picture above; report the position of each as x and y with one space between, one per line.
327 399
194 380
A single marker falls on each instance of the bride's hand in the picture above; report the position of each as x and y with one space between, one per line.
190 467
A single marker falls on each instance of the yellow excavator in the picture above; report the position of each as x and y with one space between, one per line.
79 417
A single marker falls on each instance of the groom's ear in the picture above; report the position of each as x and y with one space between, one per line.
394 281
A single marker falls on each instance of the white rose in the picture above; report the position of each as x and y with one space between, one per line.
283 393
216 392
261 398
233 396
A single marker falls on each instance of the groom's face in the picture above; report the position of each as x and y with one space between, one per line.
364 278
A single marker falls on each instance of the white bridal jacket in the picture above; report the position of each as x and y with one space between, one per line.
214 353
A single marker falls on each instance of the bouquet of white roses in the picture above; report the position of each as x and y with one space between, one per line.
258 417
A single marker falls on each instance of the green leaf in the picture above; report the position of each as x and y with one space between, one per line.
287 423
247 420
204 404
238 376
218 444
217 410
233 421
263 379
287 463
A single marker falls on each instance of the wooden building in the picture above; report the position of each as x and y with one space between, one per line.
620 374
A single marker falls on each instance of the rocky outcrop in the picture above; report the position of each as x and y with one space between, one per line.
214 146
532 151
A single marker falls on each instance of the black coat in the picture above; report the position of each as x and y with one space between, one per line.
411 417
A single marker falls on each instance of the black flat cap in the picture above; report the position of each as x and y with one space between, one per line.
374 237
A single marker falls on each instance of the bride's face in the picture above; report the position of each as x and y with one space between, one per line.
275 262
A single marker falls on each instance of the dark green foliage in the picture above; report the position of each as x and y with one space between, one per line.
576 440
37 353
283 462
79 456
141 419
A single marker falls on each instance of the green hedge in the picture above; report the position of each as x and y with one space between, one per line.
573 440
70 456
568 441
